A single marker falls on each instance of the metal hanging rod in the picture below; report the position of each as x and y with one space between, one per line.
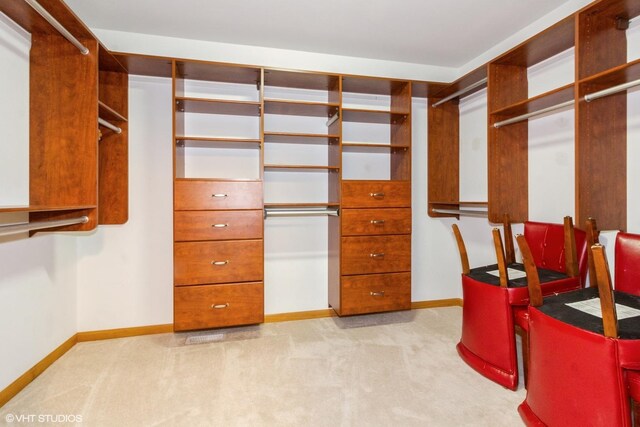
610 91
40 225
58 26
460 92
532 114
301 211
106 124
463 212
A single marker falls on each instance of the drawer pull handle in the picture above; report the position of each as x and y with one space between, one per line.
377 195
379 255
376 294
220 262
219 195
220 225
377 221
219 306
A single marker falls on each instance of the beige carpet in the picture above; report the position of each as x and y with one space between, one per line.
397 369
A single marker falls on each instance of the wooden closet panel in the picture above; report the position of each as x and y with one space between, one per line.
214 306
210 195
217 225
375 292
376 221
218 262
63 153
376 254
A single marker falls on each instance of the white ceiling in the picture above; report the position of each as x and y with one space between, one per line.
446 33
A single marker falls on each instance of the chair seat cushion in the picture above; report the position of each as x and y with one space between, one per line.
633 381
483 274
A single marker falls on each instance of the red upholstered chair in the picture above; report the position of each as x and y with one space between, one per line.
580 365
627 266
488 341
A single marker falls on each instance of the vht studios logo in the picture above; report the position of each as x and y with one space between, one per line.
43 418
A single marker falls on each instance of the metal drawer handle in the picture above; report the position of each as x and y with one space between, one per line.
219 306
220 262
377 195
377 221
219 225
219 195
379 255
376 294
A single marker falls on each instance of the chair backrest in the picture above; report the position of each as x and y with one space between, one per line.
605 292
546 242
592 239
533 280
464 258
628 263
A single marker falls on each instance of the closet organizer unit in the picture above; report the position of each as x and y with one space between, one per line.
218 228
375 244
77 170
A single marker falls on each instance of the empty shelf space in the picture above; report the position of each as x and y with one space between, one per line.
108 113
614 76
372 85
300 168
217 106
461 204
372 116
198 141
214 72
37 208
300 80
300 108
459 208
537 103
302 138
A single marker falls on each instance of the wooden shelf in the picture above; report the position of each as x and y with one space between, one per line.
144 65
460 203
197 141
537 103
217 106
300 205
216 72
36 208
614 76
302 138
464 82
372 116
300 108
218 179
109 114
301 168
362 146
299 79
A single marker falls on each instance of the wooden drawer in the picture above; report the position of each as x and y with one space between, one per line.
370 194
213 306
375 221
375 292
218 262
376 254
210 195
217 225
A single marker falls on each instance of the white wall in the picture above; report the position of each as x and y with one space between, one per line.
38 274
125 272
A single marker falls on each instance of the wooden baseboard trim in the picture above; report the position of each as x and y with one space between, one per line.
299 315
108 334
450 302
15 387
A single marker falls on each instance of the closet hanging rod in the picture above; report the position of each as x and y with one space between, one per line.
532 114
460 92
40 225
301 211
58 26
106 124
610 91
463 212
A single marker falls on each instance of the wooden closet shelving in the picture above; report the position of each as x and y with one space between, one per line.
536 103
300 108
217 106
300 138
72 175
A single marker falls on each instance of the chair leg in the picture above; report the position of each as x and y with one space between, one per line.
524 336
